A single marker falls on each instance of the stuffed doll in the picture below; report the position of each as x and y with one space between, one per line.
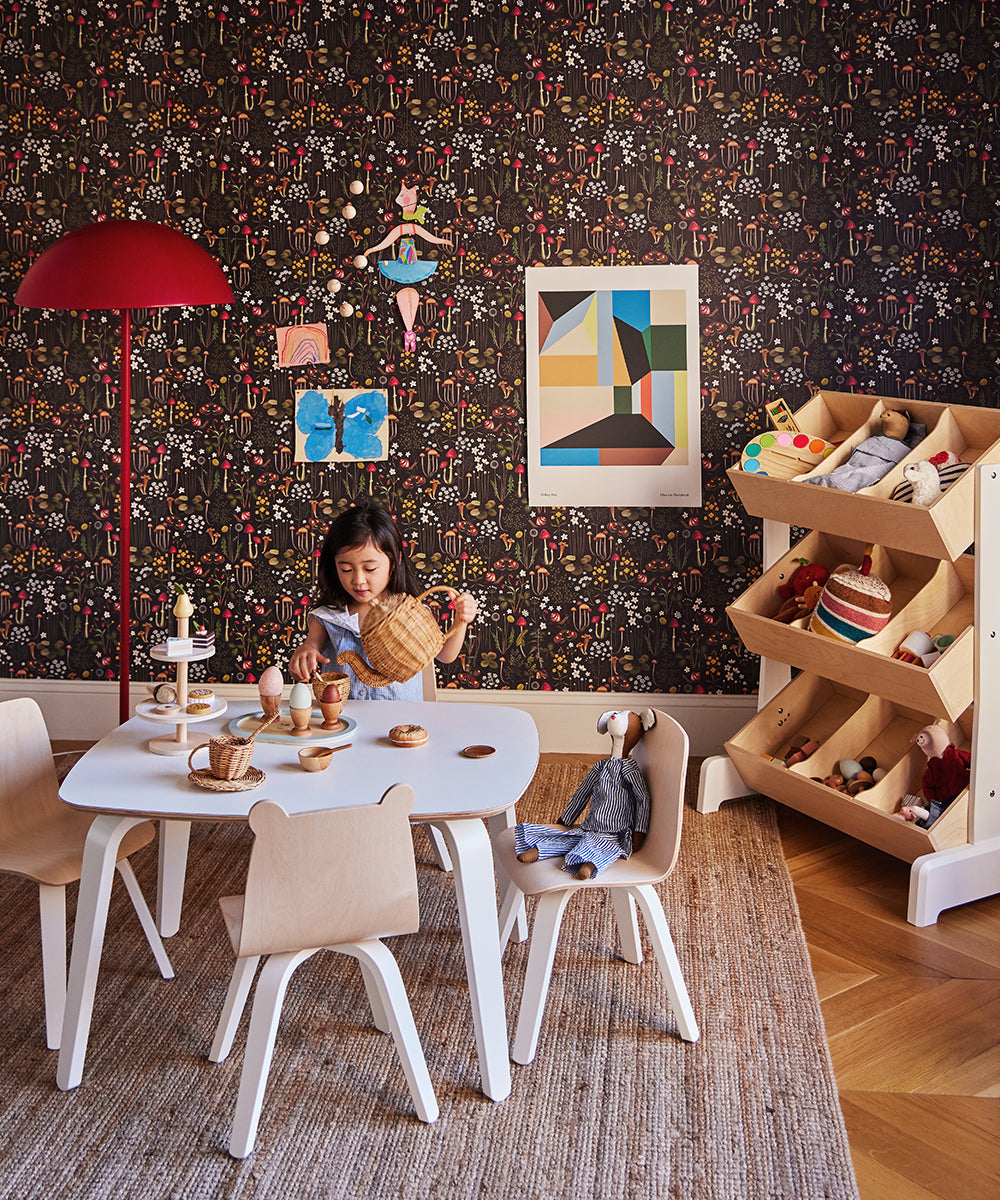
874 457
801 593
947 774
619 801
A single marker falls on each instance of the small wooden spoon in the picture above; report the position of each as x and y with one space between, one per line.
263 725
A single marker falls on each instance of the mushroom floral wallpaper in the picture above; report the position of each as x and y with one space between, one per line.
829 166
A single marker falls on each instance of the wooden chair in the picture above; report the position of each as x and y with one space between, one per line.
308 888
42 839
662 755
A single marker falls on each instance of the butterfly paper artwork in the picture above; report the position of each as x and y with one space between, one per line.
341 425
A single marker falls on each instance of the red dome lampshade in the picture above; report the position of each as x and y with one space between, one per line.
124 265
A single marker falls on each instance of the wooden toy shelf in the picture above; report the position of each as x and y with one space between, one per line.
857 699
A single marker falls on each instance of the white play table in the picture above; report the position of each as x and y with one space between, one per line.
121 781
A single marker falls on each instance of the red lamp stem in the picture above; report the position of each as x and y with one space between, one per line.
124 519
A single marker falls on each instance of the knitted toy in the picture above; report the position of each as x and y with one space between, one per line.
802 590
873 458
619 806
854 605
947 774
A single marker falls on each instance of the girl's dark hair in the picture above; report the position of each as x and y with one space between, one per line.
367 521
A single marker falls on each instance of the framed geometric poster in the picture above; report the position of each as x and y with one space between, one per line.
341 425
613 386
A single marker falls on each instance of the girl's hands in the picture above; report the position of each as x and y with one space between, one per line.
305 662
465 608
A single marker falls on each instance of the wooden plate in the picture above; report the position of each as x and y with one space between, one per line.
478 751
785 454
205 779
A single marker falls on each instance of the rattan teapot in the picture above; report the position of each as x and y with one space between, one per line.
400 636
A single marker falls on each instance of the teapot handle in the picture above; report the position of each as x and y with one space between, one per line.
442 588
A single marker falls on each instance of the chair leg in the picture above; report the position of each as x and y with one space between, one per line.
379 1019
381 969
544 936
511 913
267 1002
628 924
518 931
145 918
666 956
52 910
439 848
232 1008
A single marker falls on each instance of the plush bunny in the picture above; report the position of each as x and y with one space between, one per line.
619 801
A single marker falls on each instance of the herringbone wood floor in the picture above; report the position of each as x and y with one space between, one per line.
912 1019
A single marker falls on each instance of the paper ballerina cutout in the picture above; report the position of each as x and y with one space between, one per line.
406 267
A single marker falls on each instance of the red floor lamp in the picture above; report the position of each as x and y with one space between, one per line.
123 265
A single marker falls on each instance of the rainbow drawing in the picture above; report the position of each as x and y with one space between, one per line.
302 344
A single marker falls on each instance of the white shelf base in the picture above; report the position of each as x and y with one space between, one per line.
951 877
719 781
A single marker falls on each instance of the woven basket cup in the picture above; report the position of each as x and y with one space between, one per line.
228 756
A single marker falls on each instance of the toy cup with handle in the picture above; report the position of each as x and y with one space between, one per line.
228 755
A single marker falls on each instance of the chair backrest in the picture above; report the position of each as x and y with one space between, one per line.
429 681
29 790
662 753
322 878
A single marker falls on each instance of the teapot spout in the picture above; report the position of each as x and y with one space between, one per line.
360 668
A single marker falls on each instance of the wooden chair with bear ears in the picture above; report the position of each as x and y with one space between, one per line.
662 754
307 889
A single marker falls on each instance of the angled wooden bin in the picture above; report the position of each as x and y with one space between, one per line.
848 723
941 530
935 596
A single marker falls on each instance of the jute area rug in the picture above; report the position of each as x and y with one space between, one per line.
614 1105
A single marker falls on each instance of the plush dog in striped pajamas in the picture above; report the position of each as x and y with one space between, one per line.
618 817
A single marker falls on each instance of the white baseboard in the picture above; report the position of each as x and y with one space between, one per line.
84 710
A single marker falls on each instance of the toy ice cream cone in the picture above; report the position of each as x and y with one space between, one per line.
269 689
300 709
331 702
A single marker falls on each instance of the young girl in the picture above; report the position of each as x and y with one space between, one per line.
361 558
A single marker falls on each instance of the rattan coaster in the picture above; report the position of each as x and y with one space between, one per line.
205 779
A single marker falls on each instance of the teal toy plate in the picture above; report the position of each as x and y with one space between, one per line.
281 730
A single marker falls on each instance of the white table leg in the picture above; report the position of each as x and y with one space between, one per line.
174 837
495 823
475 888
99 855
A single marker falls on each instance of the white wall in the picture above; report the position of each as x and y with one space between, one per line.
83 710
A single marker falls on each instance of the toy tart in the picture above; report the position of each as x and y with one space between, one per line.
201 695
198 708
407 735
